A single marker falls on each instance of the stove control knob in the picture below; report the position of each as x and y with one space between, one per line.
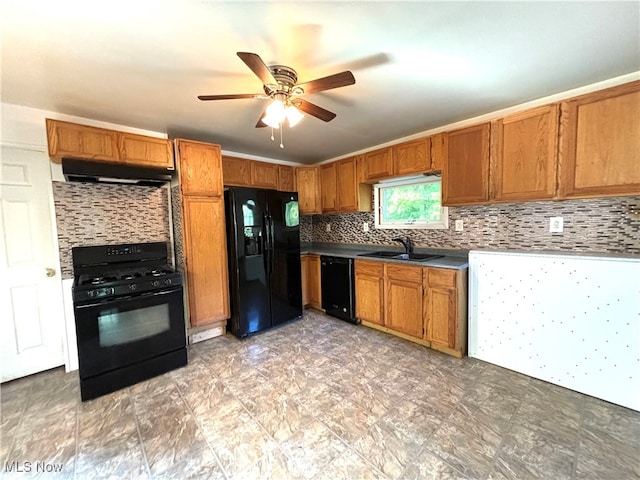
167 281
133 287
155 283
91 294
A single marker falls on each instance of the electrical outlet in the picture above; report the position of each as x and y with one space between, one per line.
556 225
459 226
365 226
328 227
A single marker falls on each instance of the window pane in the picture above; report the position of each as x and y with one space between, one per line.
411 203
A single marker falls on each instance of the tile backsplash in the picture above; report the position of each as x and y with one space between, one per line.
591 225
100 214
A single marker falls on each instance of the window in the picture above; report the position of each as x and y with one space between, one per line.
411 202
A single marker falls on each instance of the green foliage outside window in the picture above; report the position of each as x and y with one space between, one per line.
411 203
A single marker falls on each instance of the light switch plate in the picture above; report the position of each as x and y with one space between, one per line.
365 226
556 224
328 227
459 225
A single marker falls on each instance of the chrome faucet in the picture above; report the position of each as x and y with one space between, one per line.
408 246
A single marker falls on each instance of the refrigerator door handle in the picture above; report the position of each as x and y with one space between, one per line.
271 248
266 249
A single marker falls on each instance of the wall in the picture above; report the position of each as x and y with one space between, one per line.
590 225
99 214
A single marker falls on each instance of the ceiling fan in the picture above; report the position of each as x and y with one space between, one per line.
279 84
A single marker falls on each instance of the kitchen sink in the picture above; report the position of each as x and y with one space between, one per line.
415 257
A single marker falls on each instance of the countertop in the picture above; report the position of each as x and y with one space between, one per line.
453 259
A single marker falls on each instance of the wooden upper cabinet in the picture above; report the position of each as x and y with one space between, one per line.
378 164
71 140
412 157
524 155
600 143
80 141
206 258
286 178
143 150
264 175
352 195
437 151
199 168
308 182
328 188
236 171
465 177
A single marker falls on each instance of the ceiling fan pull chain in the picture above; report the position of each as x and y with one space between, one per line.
272 137
281 129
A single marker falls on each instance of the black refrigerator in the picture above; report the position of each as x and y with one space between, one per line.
263 241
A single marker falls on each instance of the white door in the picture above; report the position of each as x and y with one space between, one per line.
31 306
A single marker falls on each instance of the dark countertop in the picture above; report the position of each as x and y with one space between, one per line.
453 259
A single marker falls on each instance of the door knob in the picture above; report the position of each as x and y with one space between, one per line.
51 272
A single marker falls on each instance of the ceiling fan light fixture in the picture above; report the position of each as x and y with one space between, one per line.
294 116
275 114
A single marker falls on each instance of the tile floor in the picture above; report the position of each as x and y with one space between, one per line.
317 399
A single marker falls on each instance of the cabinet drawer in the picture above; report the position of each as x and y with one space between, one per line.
404 273
440 276
374 269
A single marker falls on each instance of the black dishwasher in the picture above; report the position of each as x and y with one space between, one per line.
337 281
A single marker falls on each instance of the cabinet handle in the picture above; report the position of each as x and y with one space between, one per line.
50 272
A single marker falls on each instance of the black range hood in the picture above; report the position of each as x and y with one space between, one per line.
75 170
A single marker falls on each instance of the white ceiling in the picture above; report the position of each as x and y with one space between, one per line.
418 65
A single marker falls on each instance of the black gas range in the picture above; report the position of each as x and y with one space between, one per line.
129 312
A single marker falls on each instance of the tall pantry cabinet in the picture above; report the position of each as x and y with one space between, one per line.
204 252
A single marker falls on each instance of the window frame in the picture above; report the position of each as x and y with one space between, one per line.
443 224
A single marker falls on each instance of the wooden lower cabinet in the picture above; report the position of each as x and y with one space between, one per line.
205 260
403 299
424 305
369 285
311 286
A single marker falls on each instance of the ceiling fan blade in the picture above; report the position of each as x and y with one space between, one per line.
337 80
314 110
257 66
260 123
229 97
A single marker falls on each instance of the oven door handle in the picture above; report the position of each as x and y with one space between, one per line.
129 297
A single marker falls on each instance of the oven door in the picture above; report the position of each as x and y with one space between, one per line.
121 331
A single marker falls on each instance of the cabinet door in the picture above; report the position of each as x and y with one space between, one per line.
328 187
441 317
369 285
79 141
438 151
286 179
600 144
412 157
264 175
347 185
524 155
205 259
314 291
308 190
148 151
378 164
465 178
304 273
236 171
403 298
199 168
